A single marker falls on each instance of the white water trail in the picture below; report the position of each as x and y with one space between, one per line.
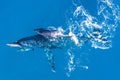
97 30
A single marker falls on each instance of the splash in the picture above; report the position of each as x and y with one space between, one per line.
97 30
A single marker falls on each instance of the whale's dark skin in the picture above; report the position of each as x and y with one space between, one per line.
36 41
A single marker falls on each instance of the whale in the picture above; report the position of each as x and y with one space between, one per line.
46 39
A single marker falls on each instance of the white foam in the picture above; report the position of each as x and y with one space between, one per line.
98 30
73 37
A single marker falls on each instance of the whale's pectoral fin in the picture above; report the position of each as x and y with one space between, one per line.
50 59
25 49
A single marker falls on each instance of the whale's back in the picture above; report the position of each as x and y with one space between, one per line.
36 40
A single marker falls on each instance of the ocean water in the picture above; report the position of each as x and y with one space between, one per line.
94 25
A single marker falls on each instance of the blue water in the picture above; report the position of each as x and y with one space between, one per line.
19 18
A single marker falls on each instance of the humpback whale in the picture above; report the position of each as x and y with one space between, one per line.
45 38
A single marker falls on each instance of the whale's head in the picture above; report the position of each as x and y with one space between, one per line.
20 47
14 44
